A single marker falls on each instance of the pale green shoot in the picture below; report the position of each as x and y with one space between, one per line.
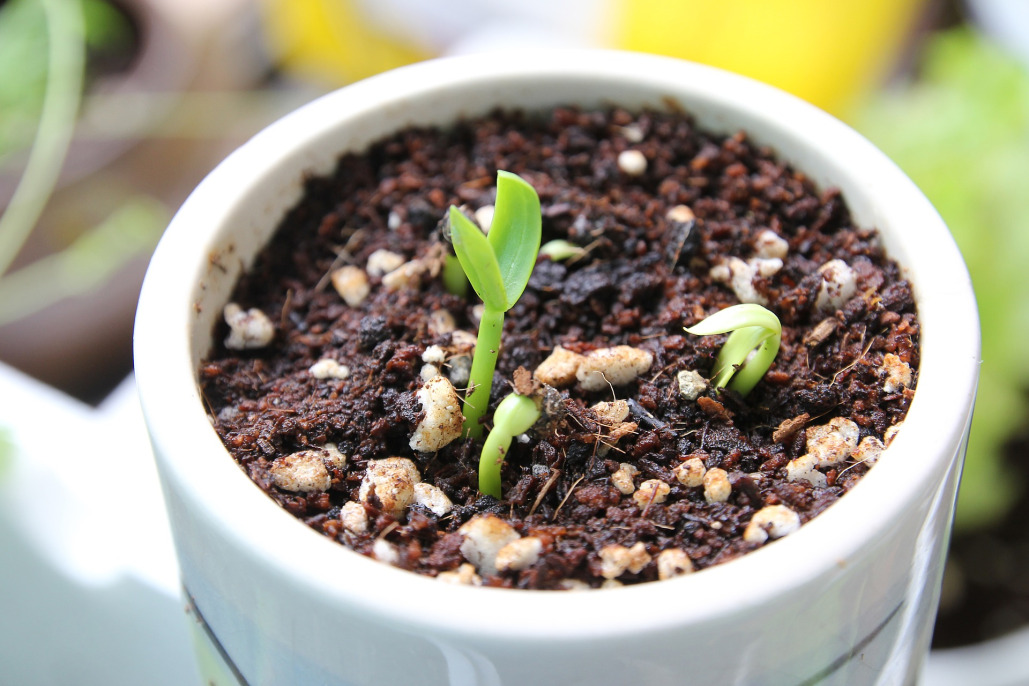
515 415
558 250
498 267
749 350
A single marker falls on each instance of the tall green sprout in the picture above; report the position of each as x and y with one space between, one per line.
498 266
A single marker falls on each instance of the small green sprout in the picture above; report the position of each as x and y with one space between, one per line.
750 348
515 415
558 250
454 279
498 267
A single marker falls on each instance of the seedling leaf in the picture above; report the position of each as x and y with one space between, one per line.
515 233
478 260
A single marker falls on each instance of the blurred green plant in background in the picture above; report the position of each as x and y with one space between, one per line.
24 68
47 48
961 132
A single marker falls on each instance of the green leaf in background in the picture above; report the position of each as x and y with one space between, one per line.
961 132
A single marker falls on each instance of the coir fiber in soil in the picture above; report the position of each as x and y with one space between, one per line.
644 277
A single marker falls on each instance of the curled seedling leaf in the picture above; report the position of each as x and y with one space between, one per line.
514 415
749 350
498 267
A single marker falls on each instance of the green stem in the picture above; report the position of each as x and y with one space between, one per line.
515 415
484 362
66 57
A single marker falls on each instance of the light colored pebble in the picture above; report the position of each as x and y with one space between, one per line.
407 276
868 451
891 433
462 341
622 478
443 418
651 491
632 162
559 369
382 262
897 373
766 267
302 472
616 560
434 355
352 284
484 217
459 370
832 443
740 277
392 479
805 468
464 575
720 273
384 551
328 368
433 498
615 366
477 312
484 536
573 585
769 244
716 485
680 214
441 322
519 554
773 521
611 412
691 472
428 372
247 329
673 562
611 583
393 221
839 283
691 384
632 133
354 517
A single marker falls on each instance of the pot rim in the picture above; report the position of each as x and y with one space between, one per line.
244 516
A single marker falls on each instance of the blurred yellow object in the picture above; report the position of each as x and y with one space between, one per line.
329 41
827 52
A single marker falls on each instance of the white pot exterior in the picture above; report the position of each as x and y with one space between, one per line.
849 599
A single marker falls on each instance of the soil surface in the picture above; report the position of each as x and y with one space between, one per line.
646 274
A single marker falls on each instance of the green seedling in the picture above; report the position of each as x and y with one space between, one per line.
558 250
749 350
515 415
498 267
454 279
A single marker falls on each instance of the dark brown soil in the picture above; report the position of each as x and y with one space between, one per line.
644 279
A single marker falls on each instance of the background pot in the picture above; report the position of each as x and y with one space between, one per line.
848 599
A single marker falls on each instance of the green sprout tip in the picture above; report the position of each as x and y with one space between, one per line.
749 350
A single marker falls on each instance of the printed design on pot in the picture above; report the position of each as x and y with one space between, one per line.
643 460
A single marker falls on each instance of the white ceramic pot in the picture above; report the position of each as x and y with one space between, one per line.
849 599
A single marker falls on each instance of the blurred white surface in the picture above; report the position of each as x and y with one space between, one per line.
89 590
